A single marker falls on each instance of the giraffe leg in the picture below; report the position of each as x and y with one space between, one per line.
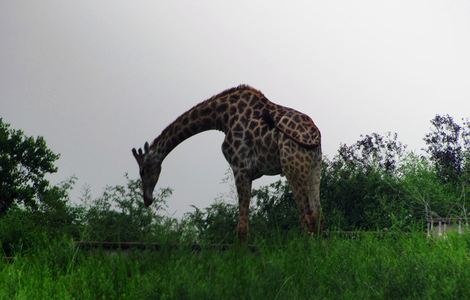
243 183
314 193
309 214
302 168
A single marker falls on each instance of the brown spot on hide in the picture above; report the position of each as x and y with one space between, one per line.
206 122
238 127
258 105
235 160
247 95
233 110
194 127
234 98
264 130
252 125
194 114
254 100
222 107
241 106
205 111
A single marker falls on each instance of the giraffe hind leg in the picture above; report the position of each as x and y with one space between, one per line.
302 168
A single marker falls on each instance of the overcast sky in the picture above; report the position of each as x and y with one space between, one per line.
96 78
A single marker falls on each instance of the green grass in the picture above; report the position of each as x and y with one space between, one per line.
395 267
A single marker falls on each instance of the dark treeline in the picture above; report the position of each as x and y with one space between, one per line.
373 184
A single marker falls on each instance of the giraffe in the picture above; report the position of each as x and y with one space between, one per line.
261 138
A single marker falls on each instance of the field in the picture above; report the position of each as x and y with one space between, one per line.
372 187
395 266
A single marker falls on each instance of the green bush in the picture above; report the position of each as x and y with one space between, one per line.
20 228
372 184
214 224
119 214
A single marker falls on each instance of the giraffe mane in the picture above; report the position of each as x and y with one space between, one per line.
236 89
219 95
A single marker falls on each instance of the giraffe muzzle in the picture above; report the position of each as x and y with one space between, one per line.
148 198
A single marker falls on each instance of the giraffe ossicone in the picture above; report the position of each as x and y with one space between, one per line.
261 138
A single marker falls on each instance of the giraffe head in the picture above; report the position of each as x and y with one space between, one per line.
149 169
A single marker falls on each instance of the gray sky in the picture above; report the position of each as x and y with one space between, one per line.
96 78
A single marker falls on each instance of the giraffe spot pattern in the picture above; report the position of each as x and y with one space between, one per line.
305 133
253 128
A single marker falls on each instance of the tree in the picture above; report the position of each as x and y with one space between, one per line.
359 187
446 145
374 150
119 214
276 209
24 162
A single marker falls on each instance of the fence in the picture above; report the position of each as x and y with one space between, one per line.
113 246
439 227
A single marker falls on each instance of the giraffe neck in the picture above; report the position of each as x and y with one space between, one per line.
209 115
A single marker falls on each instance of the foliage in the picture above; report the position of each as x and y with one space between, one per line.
119 214
55 217
24 161
275 210
428 195
372 184
214 224
373 151
448 146
395 266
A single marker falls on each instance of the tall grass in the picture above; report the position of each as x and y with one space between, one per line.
366 267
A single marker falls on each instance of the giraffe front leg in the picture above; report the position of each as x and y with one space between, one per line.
243 183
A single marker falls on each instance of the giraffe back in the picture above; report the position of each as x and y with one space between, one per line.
297 126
